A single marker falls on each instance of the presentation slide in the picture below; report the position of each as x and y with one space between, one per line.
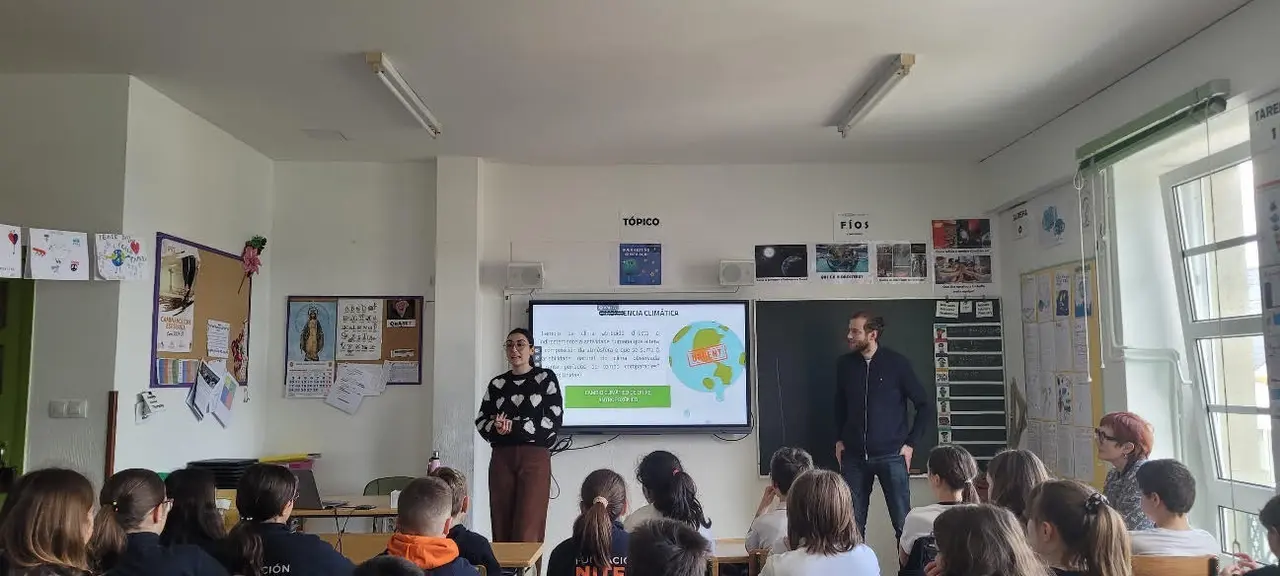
646 364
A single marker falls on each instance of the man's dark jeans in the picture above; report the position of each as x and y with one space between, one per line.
861 473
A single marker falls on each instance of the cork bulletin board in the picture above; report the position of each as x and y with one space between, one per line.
324 332
201 309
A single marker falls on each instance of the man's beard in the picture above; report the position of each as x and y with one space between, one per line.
858 345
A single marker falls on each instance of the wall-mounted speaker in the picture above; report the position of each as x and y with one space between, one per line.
737 273
524 275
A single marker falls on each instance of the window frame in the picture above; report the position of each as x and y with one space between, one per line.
1222 492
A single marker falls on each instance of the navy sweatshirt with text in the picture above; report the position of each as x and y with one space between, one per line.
872 396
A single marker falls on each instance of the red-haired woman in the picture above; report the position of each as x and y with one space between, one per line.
1125 440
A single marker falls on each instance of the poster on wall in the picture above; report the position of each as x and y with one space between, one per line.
851 225
176 296
640 264
842 263
902 262
962 257
782 263
119 257
1053 224
58 255
10 251
1021 216
359 329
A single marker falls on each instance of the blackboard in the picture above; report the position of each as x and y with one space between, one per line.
799 342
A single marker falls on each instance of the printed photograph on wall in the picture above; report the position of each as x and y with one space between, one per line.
782 263
640 264
902 262
313 331
962 269
962 234
178 282
402 313
842 262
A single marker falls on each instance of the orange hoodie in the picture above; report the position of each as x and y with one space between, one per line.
428 552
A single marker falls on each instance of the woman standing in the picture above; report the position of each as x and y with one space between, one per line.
1125 440
520 416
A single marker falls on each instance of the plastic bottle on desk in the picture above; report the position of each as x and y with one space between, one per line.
434 462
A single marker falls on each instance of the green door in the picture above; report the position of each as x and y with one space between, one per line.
16 311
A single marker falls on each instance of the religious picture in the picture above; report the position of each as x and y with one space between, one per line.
312 330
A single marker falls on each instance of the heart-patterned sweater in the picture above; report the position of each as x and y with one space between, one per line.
534 403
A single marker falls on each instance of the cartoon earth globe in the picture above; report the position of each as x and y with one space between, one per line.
707 357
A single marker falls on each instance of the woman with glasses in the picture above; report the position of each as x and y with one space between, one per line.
520 416
1125 441
132 511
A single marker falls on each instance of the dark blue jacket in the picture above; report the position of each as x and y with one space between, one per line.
288 552
871 404
475 549
144 556
567 557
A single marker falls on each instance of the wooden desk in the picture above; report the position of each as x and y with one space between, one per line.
729 551
381 508
357 547
520 555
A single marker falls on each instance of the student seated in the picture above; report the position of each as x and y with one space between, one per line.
663 547
821 532
48 520
262 543
982 540
769 530
194 517
388 566
132 510
952 471
598 546
671 494
1076 532
422 527
473 547
1010 477
1168 492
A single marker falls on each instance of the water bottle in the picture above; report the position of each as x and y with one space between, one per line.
434 462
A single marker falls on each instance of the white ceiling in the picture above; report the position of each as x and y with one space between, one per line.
611 81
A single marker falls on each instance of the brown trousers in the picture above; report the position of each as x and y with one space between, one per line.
519 493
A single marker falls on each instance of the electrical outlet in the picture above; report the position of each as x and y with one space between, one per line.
77 409
57 408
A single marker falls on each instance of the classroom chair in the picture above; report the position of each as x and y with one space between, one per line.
755 561
1175 566
384 486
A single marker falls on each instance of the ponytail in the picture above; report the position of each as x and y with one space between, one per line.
127 497
604 497
1106 548
957 468
244 547
671 489
1093 534
264 491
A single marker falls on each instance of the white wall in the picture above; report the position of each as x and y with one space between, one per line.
62 149
568 218
1240 48
351 229
186 177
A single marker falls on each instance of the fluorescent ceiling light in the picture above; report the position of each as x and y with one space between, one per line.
885 79
404 92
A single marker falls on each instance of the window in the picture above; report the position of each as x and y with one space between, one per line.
1210 204
1243 529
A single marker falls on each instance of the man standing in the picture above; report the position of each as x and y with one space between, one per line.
873 386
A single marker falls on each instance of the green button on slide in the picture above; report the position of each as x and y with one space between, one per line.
617 396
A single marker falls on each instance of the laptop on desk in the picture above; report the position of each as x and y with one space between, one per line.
309 494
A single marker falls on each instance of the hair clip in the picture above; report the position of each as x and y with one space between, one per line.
246 518
601 500
1094 502
115 506
675 471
